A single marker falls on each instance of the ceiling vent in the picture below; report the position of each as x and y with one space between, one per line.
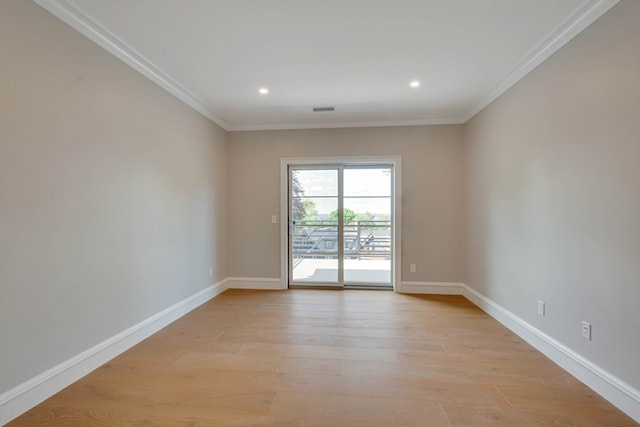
323 109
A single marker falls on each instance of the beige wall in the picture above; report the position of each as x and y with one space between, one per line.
114 196
554 179
111 195
432 181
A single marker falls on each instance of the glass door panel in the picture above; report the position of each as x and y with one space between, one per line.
314 228
340 229
367 225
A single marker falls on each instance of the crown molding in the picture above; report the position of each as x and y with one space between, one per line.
571 27
337 125
95 32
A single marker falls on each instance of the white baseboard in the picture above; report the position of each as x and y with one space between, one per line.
30 393
440 288
263 283
622 395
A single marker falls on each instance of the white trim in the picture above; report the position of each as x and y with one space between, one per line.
615 390
338 125
396 161
439 288
30 393
560 36
397 222
95 32
284 223
622 395
91 29
263 283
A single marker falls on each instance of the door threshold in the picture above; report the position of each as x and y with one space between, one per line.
331 288
348 287
370 287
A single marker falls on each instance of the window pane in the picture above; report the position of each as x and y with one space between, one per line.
369 208
315 209
315 270
367 182
314 182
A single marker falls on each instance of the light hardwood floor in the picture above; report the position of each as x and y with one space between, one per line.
329 359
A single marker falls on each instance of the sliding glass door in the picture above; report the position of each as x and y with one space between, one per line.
340 225
314 237
367 225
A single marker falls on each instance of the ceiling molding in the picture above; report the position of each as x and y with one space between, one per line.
331 125
121 50
91 29
566 31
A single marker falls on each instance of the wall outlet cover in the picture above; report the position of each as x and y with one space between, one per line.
586 330
541 307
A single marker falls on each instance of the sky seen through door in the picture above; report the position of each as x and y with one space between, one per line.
366 190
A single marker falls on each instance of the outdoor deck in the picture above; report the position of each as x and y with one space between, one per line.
356 271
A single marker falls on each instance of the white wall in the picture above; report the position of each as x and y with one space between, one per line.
432 193
554 194
111 195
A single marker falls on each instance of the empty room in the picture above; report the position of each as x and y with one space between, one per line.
334 213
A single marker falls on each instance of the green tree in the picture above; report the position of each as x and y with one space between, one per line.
309 210
297 200
367 216
302 209
348 215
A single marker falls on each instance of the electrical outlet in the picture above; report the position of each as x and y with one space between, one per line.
210 271
586 330
541 307
274 219
412 268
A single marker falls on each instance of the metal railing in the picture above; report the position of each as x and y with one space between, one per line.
362 239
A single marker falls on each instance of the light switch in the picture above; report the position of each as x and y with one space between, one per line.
274 219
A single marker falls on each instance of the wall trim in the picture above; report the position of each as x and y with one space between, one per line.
616 391
25 396
85 25
619 393
360 124
263 283
567 30
30 393
437 288
395 160
557 38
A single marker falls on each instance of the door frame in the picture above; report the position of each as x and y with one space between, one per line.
396 232
339 168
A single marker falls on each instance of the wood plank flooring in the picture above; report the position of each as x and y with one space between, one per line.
303 358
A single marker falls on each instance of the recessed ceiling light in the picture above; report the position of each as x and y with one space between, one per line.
263 91
414 83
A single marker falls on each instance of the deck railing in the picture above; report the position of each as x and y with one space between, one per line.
362 239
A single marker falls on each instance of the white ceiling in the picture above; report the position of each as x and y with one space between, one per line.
355 55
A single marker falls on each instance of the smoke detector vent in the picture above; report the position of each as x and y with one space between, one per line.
323 109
